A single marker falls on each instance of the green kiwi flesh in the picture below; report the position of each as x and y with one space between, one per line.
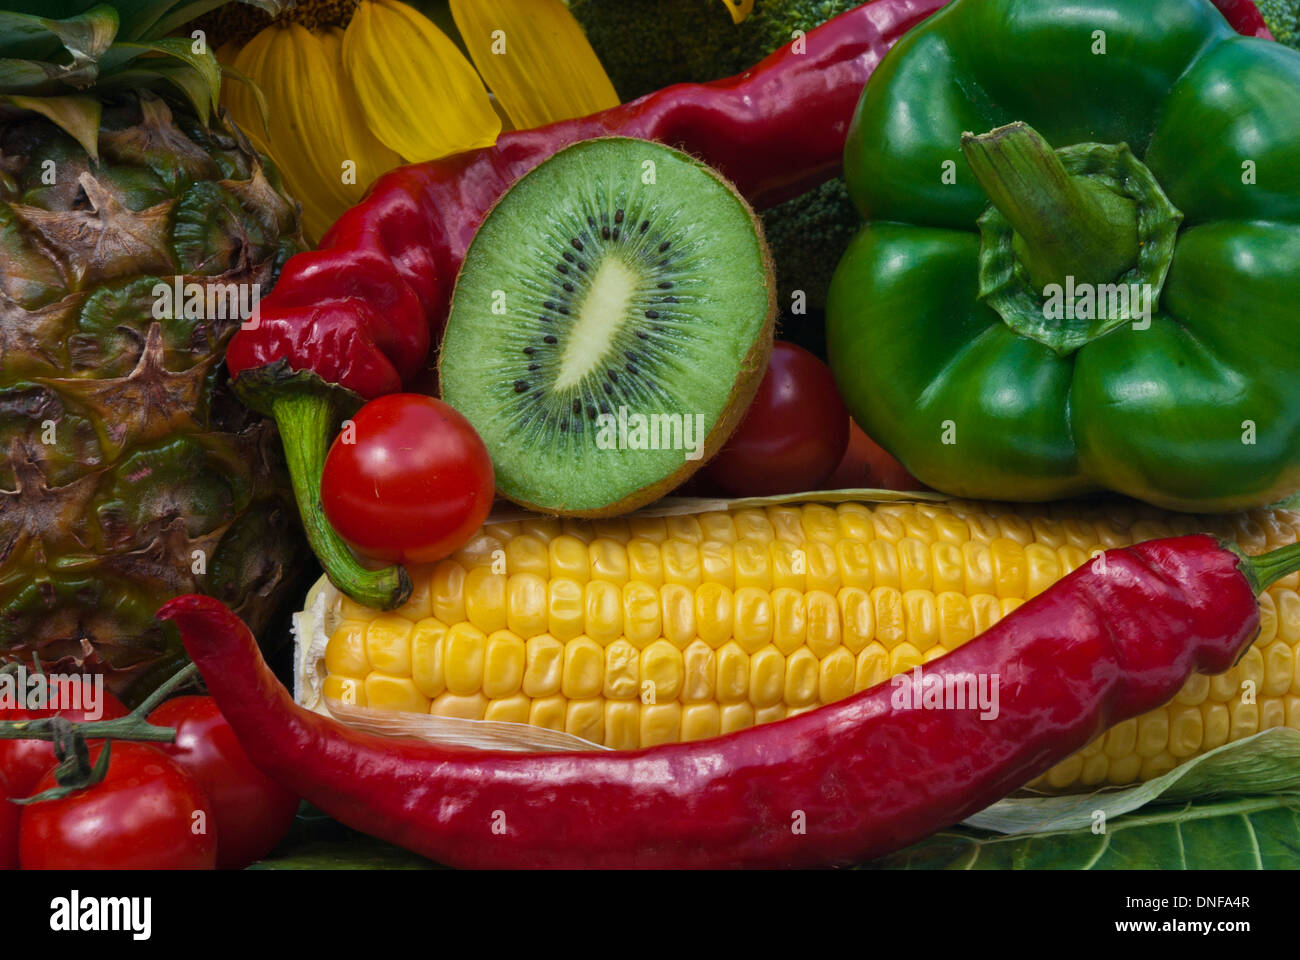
610 326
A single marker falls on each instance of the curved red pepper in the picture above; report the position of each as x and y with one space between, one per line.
842 784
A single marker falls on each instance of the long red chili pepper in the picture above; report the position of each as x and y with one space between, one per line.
842 784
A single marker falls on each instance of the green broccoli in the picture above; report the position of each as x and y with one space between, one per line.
1283 18
808 235
649 44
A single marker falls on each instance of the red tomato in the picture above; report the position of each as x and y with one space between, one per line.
23 762
793 435
9 814
252 811
141 816
414 486
866 464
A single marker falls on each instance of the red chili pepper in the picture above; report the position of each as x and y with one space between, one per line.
355 319
842 784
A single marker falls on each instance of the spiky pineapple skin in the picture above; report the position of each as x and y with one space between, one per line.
128 472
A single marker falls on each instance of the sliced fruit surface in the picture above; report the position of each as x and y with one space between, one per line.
610 325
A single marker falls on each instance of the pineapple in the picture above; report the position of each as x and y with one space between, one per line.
128 472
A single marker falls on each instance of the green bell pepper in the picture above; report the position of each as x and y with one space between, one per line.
1120 313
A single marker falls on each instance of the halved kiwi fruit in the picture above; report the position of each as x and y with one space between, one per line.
609 327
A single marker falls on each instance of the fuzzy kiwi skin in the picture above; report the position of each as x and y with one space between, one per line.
752 369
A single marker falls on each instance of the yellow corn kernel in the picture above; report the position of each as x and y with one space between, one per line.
700 669
732 673
464 650
622 724
543 529
678 608
685 528
700 721
778 711
1094 770
766 677
663 669
871 667
717 563
1009 605
661 723
548 712
790 619
503 666
426 656
565 602
472 707
681 563
977 560
948 569
1065 772
822 570
526 613
586 719
1152 733
713 618
1272 713
543 666
420 603
604 611
921 615
608 561
903 658
752 618
915 571
653 529
1218 724
622 671
569 559
508 710
884 564
718 526
1072 558
345 654
753 565
891 622
1010 568
857 569
855 522
645 563
934 653
789 565
888 523
1158 765
1043 568
802 674
447 591
956 620
1195 691
986 610
787 522
527 554
485 599
753 525
823 619
349 609
1279 668
584 669
1250 671
642 622
1186 730
349 690
735 716
387 692
1268 624
820 523
578 529
835 676
480 551
857 620
1124 769
1245 719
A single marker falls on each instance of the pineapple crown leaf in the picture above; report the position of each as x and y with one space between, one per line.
42 54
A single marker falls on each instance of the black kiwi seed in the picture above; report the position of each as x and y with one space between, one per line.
605 232
591 221
664 246
564 426
668 300
582 266
613 377
631 368
549 305
564 311
616 233
577 406
548 339
645 225
666 285
591 412
562 268
652 314
604 408
609 388
568 256
630 355
618 216
529 351
521 386
577 244
568 287
534 366
642 335
544 319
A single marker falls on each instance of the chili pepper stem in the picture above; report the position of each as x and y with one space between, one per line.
1066 226
1268 568
307 421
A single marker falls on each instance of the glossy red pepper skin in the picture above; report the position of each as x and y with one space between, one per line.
363 309
838 785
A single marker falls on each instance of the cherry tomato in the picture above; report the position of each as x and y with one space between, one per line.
414 484
252 811
866 464
24 762
141 816
9 814
793 435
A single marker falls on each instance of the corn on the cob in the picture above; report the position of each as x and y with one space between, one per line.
640 631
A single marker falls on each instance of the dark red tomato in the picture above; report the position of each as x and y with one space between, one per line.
793 435
23 762
253 812
414 484
9 814
146 814
866 464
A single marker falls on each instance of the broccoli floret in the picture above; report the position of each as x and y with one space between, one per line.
808 236
649 44
1283 19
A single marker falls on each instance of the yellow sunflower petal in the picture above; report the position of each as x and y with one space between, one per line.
535 58
420 95
235 95
739 9
372 157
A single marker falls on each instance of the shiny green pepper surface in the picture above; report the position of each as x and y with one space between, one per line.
996 359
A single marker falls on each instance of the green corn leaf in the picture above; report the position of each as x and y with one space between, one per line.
1266 763
1246 833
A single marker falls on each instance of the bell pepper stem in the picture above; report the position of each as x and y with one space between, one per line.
307 421
1066 226
1266 569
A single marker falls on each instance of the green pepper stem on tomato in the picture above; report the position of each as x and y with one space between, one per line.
1153 352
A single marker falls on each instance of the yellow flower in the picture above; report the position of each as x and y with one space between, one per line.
375 84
